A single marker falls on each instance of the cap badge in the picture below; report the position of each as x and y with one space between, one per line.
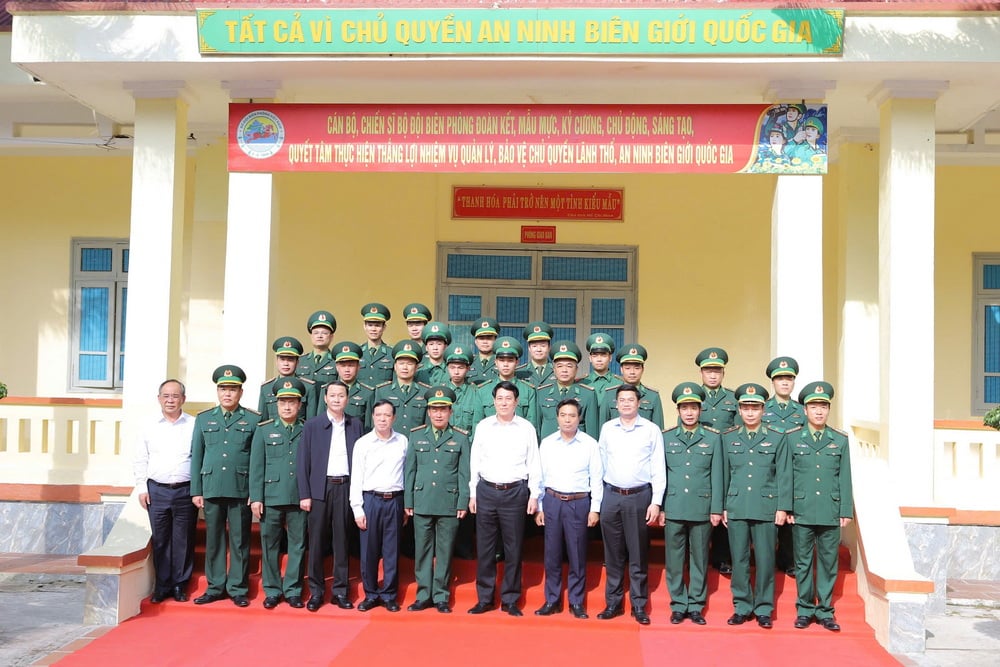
599 339
373 309
563 348
819 389
536 329
485 325
506 343
751 390
346 348
438 394
713 355
407 347
783 364
287 385
435 329
413 311
321 318
687 391
458 350
287 343
227 373
633 351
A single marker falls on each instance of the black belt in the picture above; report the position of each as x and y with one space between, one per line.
567 496
175 485
628 492
502 487
340 479
385 495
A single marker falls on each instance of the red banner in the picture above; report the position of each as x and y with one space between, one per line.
536 203
526 138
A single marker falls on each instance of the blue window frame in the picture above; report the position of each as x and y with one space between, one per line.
100 294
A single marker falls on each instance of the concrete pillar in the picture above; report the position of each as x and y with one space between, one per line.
906 283
156 242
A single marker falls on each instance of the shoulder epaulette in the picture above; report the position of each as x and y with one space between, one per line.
648 388
837 430
252 411
424 385
545 386
717 431
387 383
207 410
308 380
364 386
265 423
460 430
619 377
418 428
586 386
611 388
793 430
268 381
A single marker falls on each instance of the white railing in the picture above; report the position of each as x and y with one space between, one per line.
867 440
967 468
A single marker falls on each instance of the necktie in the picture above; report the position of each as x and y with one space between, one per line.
689 434
288 427
318 357
227 415
371 350
713 393
406 389
437 435
538 370
817 435
563 391
751 435
783 405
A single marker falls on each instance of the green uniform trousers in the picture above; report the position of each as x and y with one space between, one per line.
434 541
687 538
277 522
758 600
815 598
220 512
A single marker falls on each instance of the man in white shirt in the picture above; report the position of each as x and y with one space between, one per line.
377 503
573 479
635 478
504 485
162 467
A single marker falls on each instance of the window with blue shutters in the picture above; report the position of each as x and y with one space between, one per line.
986 362
99 298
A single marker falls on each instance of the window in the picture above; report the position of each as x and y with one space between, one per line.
99 297
986 322
578 290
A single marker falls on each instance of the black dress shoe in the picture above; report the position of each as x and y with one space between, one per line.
725 568
315 602
829 624
391 605
697 618
548 609
208 598
677 617
295 602
790 572
443 608
272 601
511 609
578 611
481 608
342 602
802 621
420 605
610 612
241 601
764 622
739 619
157 597
369 603
640 616
180 594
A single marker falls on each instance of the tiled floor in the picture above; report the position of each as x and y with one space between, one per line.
974 590
75 645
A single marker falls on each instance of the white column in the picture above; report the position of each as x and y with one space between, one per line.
797 322
906 283
156 242
251 249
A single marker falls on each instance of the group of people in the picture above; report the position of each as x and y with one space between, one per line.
415 443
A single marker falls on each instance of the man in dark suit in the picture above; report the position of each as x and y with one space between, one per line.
324 469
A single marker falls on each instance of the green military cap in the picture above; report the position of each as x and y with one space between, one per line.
485 327
814 122
286 346
751 392
436 330
537 331
565 349
289 387
346 350
439 395
416 311
229 374
801 108
458 354
816 391
782 366
688 392
375 311
634 353
322 318
600 342
711 356
407 349
508 346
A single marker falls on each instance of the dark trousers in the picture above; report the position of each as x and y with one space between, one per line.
434 542
282 523
626 538
172 520
380 541
687 542
817 551
719 547
227 516
500 519
758 600
328 521
566 533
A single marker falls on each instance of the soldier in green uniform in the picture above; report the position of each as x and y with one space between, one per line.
376 359
436 496
758 481
600 346
822 504
565 362
318 364
466 410
433 369
220 485
692 503
404 392
287 351
633 360
538 369
483 367
508 351
274 496
416 315
360 397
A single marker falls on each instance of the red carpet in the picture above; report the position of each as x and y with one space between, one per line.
221 634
